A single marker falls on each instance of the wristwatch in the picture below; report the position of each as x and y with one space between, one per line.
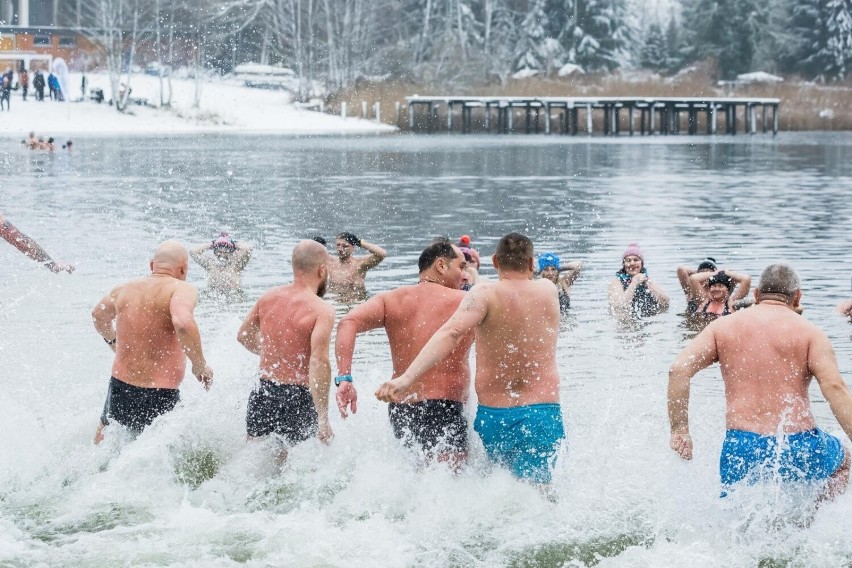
342 379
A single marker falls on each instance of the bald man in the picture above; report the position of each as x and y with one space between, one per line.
149 325
290 328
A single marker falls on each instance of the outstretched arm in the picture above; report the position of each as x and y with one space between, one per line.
319 370
30 248
249 334
471 312
698 354
181 307
367 316
822 364
743 284
377 254
683 274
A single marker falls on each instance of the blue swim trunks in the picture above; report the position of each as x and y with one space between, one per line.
811 455
524 439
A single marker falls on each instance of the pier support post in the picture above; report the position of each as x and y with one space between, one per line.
631 119
589 119
651 119
546 118
733 120
449 116
364 109
377 111
511 118
411 116
615 126
343 110
753 116
774 120
606 120
487 117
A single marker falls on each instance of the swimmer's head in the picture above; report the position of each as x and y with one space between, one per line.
444 263
310 263
345 245
320 239
707 265
720 286
633 259
223 245
464 241
779 282
514 253
171 258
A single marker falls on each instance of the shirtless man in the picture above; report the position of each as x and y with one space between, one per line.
153 335
290 328
768 355
346 275
30 248
516 321
433 415
225 268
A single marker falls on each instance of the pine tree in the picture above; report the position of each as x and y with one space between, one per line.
838 49
530 50
654 52
805 50
674 46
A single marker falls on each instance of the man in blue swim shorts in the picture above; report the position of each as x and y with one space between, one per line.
516 321
768 355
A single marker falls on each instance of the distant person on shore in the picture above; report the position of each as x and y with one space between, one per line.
722 289
38 85
29 247
432 418
53 86
225 266
24 81
290 328
149 324
632 292
5 92
768 355
84 83
347 273
516 322
550 268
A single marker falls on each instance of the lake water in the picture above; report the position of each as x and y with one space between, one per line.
190 492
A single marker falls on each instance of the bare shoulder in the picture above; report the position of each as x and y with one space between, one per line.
322 308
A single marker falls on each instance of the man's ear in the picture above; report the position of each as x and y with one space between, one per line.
756 296
797 299
494 262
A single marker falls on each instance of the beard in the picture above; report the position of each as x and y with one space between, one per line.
322 288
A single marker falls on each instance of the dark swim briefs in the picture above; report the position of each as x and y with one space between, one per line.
136 407
282 409
435 425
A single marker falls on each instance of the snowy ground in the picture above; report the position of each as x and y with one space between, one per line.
226 106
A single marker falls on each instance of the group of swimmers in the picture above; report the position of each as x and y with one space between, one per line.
39 143
768 355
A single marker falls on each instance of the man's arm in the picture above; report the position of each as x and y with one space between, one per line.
181 307
319 370
103 316
698 354
822 364
683 275
197 254
249 334
243 254
30 248
472 311
377 254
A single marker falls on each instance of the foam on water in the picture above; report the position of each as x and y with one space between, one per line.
190 492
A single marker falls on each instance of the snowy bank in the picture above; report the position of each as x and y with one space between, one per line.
226 106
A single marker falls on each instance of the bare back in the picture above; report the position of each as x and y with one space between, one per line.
287 316
764 357
516 342
148 353
412 315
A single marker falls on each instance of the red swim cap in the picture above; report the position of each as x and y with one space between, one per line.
465 240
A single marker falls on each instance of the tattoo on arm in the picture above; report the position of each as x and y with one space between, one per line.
469 304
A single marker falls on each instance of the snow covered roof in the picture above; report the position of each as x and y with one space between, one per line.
759 77
258 69
570 69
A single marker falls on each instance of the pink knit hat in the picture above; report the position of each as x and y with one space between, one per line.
634 250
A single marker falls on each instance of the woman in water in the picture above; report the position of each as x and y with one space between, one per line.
631 291
563 276
721 291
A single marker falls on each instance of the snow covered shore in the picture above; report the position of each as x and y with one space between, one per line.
226 106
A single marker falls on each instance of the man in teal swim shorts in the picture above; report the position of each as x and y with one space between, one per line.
516 321
768 355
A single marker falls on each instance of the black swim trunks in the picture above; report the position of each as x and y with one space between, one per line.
283 409
435 425
136 407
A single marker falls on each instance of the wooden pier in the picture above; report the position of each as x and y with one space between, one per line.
574 115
